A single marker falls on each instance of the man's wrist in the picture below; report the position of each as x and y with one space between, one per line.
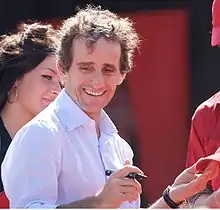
89 202
173 196
98 202
212 201
170 197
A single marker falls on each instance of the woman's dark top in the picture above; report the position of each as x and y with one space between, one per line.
5 141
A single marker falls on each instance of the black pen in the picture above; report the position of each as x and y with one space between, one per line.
130 175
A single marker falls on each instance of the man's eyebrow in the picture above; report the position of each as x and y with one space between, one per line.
109 65
85 63
92 63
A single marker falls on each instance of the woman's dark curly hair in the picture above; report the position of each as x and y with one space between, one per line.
23 51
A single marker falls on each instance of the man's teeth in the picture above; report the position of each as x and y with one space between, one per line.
93 93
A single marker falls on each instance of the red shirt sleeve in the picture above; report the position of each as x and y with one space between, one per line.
4 202
204 137
196 145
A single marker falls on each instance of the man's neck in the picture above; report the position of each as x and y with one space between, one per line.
93 115
96 118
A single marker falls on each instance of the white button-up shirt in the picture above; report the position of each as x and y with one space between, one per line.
57 158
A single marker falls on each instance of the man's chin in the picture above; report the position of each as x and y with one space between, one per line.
97 111
92 110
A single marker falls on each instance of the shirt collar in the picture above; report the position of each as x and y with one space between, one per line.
69 112
72 115
106 125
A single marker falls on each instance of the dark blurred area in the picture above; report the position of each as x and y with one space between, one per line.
203 64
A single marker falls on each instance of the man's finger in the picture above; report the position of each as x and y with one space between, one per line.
191 169
212 170
197 185
121 173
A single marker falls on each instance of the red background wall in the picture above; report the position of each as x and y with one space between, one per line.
159 93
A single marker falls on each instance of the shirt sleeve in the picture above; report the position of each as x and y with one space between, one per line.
31 168
128 154
197 138
126 151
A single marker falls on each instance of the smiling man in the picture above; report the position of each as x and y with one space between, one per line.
94 74
59 159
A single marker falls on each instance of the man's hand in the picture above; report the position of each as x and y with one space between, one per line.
119 189
188 183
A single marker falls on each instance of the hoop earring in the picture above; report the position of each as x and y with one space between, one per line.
16 95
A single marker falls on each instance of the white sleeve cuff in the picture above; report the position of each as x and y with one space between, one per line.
40 205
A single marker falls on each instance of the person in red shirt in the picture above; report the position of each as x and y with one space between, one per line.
205 128
205 133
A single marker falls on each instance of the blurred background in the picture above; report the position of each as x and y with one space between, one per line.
175 70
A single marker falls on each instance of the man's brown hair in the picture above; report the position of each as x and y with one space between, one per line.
92 23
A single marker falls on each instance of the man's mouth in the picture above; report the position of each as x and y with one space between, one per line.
94 93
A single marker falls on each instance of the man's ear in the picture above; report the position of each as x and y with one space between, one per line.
123 75
61 72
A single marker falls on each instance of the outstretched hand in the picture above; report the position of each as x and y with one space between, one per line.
189 182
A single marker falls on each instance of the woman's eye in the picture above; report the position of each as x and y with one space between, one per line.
48 77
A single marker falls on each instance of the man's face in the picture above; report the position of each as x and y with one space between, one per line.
94 74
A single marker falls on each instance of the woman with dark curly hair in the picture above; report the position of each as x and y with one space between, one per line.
29 80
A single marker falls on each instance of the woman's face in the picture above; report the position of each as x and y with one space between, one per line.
39 87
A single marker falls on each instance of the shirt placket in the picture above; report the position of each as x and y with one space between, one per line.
99 145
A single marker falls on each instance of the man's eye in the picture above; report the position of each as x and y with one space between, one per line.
108 70
85 68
